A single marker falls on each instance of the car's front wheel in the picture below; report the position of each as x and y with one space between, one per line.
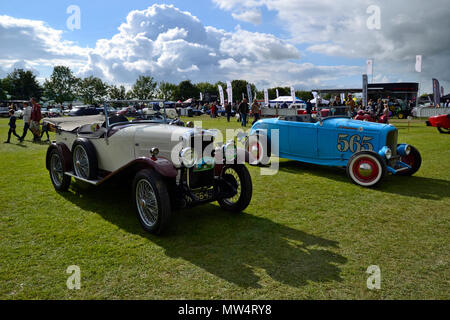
366 168
414 160
151 200
60 181
239 178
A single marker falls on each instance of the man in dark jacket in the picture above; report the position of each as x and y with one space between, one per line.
228 111
243 110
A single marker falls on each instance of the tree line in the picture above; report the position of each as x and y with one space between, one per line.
64 86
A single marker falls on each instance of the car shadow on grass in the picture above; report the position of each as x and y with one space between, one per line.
242 249
410 186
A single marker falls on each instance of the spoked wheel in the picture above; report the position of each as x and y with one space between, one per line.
258 150
152 201
84 159
414 160
366 168
60 181
443 130
239 178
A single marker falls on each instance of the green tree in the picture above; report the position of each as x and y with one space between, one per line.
91 90
117 93
282 91
144 88
2 91
304 95
207 88
167 91
22 85
239 88
187 90
61 85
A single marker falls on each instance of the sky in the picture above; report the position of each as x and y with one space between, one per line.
305 44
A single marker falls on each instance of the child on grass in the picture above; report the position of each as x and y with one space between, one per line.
12 126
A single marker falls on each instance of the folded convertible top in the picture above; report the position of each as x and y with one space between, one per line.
72 123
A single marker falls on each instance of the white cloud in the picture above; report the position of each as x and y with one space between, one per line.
31 40
173 45
252 16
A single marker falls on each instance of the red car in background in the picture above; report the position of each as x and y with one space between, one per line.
441 122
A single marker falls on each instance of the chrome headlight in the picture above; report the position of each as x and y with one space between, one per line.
188 157
388 153
408 150
230 151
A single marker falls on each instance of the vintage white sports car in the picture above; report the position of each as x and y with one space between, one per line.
172 165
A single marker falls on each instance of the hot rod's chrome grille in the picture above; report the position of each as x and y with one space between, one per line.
391 141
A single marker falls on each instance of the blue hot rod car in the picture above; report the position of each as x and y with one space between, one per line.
368 150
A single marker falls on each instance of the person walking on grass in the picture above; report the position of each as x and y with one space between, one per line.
45 128
243 110
36 117
12 126
26 120
256 111
228 110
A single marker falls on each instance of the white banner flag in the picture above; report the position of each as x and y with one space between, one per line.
293 94
418 63
278 94
342 98
230 92
266 97
201 96
249 93
222 100
369 67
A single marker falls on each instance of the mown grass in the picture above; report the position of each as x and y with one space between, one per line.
308 234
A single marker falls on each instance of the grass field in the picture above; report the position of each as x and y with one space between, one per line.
309 233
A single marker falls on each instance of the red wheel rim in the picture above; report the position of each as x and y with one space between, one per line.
409 160
365 169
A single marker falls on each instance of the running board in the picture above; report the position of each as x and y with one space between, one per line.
73 175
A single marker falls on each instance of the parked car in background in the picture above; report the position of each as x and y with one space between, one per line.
83 111
367 150
4 112
55 112
441 122
19 114
111 110
44 112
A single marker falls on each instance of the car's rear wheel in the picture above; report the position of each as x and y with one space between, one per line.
366 168
151 200
414 160
238 177
84 159
60 181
